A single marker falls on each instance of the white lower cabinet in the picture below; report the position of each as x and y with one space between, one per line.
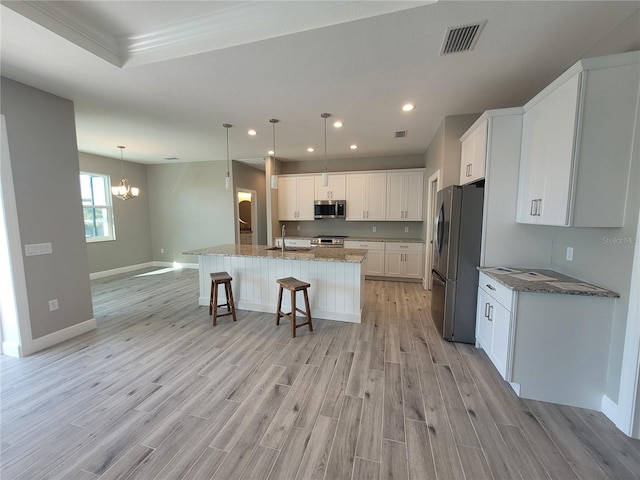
374 263
403 260
549 347
493 322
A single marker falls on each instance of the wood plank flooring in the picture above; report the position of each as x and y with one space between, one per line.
158 393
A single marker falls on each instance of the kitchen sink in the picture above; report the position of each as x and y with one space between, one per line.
291 249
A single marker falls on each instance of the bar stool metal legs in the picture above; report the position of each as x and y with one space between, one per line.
293 285
221 278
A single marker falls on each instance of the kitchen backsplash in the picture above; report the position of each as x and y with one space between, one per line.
356 229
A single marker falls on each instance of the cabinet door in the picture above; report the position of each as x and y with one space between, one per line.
376 196
396 195
414 195
374 264
287 198
547 157
337 187
305 197
393 263
499 352
484 326
412 265
356 208
479 152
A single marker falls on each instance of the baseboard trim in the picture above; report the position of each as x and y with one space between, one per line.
11 349
611 410
61 335
139 266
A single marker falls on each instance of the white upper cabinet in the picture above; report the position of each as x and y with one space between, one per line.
577 138
474 154
405 193
366 196
295 197
335 190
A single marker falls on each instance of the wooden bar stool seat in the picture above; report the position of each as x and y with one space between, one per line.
293 285
221 278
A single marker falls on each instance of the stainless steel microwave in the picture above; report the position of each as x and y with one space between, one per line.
329 209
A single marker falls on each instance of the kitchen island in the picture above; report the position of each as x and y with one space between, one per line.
336 276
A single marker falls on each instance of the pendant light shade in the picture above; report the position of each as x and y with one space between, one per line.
227 179
325 175
274 172
124 190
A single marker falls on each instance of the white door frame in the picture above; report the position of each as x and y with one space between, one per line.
432 189
254 214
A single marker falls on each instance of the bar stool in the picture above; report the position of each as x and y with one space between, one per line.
217 279
293 285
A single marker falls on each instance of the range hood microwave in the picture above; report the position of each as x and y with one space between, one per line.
329 209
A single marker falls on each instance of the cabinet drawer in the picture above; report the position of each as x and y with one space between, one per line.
369 245
404 247
499 292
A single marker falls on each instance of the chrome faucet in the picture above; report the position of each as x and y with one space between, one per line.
284 232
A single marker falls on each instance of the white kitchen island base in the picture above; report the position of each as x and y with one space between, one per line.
336 292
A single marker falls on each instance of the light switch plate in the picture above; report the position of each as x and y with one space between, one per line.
570 254
53 304
37 249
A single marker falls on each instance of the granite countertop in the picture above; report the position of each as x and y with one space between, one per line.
318 254
544 281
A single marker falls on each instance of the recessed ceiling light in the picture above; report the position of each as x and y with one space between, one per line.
270 152
407 107
338 124
353 147
310 149
252 132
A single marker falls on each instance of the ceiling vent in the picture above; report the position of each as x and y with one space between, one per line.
401 134
461 39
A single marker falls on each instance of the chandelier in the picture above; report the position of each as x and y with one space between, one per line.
124 190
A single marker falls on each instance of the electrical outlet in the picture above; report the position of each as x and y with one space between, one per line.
162 250
298 227
373 229
570 254
53 304
406 229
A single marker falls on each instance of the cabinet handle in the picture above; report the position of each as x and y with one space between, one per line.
532 210
490 317
486 310
363 215
367 213
539 208
491 287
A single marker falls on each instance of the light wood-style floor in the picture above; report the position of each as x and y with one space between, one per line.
158 393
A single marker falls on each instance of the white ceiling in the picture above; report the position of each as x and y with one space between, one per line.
162 77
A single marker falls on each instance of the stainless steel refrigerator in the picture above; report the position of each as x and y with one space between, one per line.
456 254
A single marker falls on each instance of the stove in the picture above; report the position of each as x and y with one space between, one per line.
333 241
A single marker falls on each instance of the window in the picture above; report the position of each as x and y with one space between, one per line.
96 204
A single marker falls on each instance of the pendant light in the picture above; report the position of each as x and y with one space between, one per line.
274 173
227 179
124 190
325 176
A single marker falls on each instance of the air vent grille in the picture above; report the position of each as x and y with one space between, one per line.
400 134
461 39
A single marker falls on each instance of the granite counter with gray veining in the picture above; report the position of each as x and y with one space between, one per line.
318 254
544 281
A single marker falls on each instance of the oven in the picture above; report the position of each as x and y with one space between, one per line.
333 241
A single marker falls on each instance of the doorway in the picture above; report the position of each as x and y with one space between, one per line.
434 186
246 217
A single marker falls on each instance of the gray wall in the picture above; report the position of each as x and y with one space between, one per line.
44 159
249 178
189 208
132 245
